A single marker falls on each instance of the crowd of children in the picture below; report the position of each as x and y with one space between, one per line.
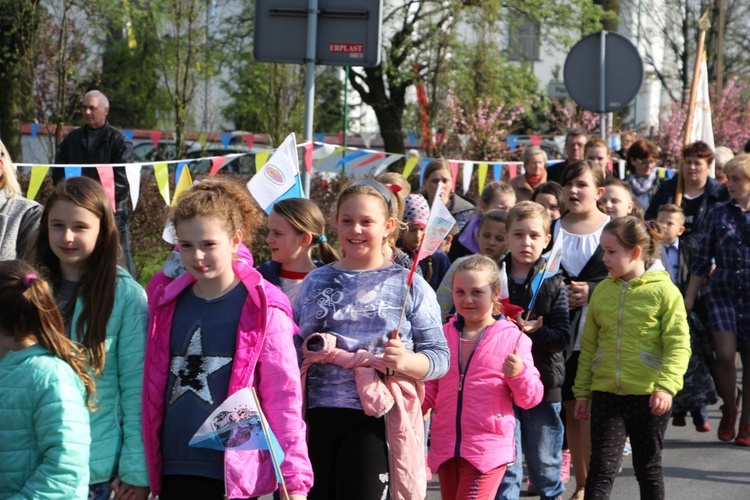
346 358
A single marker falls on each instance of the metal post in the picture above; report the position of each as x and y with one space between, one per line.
312 36
602 85
346 114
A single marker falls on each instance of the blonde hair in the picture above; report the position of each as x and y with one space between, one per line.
528 210
531 152
488 268
8 179
305 217
741 162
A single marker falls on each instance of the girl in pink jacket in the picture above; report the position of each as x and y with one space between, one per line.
472 434
215 330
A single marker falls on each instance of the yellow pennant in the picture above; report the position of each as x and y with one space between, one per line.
161 172
409 167
183 183
261 159
38 173
482 175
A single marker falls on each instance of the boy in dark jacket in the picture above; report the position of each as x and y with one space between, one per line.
539 430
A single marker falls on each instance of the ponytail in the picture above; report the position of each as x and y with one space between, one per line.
632 232
30 312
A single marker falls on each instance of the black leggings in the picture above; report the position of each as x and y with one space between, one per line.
348 453
181 487
613 418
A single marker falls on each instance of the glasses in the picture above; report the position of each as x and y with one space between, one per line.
647 161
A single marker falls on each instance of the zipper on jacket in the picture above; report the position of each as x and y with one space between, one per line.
618 354
462 375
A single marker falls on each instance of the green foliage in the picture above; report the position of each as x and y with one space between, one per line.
129 76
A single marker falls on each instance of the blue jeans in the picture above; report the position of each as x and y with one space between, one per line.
539 436
100 491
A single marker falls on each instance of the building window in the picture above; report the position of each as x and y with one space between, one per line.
523 39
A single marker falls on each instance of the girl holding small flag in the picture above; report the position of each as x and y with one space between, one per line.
491 369
359 301
215 330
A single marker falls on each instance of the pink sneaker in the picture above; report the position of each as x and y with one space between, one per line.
565 467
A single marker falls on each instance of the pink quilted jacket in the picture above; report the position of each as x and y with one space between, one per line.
265 358
478 423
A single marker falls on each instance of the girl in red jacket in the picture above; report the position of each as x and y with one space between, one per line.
473 423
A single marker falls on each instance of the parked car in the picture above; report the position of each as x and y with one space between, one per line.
243 165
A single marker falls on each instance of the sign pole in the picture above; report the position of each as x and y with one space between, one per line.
312 37
603 85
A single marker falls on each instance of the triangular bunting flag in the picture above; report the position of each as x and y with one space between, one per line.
38 173
72 172
261 159
155 137
467 172
184 181
107 179
308 159
161 172
249 140
482 175
409 167
133 173
216 163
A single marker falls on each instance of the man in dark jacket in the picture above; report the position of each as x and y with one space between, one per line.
575 143
99 143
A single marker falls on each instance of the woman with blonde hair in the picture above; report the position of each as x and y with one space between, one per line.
534 173
19 217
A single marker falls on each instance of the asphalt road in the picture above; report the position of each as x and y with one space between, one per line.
697 466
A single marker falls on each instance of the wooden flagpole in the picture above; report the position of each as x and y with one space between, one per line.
703 25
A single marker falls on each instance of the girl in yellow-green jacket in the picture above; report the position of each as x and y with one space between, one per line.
634 353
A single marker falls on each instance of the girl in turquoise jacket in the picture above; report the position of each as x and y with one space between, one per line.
105 310
634 353
44 437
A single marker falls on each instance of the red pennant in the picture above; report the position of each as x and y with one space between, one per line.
155 136
454 174
249 140
107 179
536 140
308 158
374 158
340 137
216 163
512 170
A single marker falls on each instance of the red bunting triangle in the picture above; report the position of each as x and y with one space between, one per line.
107 179
536 140
216 163
454 174
512 170
155 137
308 158
249 140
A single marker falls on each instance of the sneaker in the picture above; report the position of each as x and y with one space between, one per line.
565 467
704 427
743 437
679 421
728 424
